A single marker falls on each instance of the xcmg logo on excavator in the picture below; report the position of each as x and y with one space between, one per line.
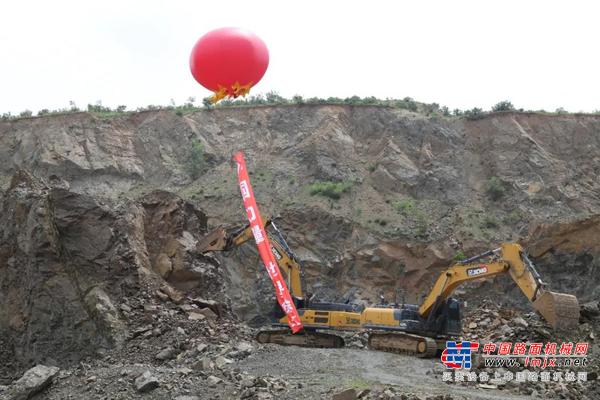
481 269
275 253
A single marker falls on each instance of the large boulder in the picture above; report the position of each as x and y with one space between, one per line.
32 382
171 229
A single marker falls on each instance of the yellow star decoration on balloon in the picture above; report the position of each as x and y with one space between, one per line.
219 94
234 91
240 90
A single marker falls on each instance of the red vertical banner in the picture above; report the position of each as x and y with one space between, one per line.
264 247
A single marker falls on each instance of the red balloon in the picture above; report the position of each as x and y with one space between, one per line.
229 61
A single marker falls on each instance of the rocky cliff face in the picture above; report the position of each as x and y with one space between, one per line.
83 222
67 259
548 164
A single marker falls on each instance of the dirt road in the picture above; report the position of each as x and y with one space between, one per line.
322 370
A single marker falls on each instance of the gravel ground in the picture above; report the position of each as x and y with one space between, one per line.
168 355
305 373
276 372
323 371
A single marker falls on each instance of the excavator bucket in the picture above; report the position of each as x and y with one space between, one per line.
213 241
559 309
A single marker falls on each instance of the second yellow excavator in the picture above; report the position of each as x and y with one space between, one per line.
421 330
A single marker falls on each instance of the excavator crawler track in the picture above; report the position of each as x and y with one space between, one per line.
404 343
303 339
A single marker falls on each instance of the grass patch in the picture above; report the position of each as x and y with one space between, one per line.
333 190
405 207
359 383
410 210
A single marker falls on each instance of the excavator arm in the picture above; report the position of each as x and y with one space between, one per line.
220 240
559 309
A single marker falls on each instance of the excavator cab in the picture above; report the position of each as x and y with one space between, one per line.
444 321
453 323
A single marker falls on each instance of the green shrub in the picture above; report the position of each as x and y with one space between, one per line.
512 218
495 188
352 100
431 109
274 98
459 255
315 100
196 162
474 113
370 100
489 222
207 103
333 190
98 108
407 103
149 107
503 106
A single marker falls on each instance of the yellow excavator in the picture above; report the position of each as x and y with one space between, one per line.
420 330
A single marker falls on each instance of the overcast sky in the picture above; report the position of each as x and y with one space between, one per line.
537 54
